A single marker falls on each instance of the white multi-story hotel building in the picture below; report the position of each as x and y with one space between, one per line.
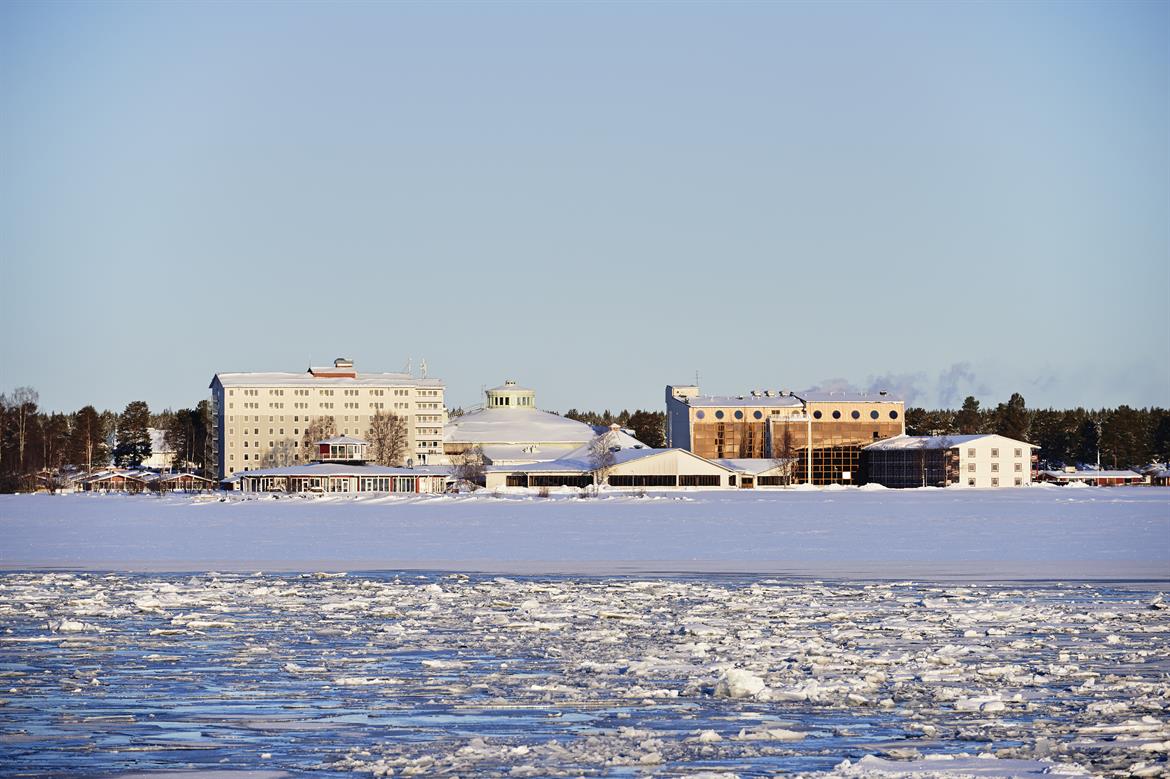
261 418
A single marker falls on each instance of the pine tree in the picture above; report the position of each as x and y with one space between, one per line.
969 420
133 435
649 427
1012 419
87 444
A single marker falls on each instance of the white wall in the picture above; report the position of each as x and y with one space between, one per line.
994 458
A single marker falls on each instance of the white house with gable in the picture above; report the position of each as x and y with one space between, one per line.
949 461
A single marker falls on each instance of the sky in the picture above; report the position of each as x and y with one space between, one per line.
595 200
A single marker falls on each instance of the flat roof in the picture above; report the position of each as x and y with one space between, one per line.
278 379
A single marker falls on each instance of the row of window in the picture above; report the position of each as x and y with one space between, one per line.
855 414
347 418
757 414
254 393
994 467
995 452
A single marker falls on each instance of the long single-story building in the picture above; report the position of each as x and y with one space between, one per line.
1093 478
342 466
630 467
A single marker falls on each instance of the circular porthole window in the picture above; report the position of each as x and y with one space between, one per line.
893 415
816 415
739 415
873 415
719 415
836 414
758 414
856 415
700 414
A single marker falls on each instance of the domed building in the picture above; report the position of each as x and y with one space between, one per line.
512 430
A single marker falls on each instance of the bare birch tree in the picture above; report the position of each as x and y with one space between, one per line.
469 466
318 430
387 437
601 456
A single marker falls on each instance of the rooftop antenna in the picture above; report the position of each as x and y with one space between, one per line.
409 366
422 366
696 378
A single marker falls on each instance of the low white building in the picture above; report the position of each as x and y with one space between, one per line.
949 461
341 466
631 464
1116 478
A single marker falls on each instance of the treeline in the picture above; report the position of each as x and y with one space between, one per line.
649 426
35 444
1126 437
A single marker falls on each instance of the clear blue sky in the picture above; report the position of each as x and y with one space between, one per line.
596 200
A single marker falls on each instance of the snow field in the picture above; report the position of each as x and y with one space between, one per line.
1033 533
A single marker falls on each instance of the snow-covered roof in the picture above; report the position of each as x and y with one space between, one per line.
309 380
811 396
1085 475
580 464
339 469
511 387
585 465
526 452
618 439
790 400
775 401
343 439
515 426
936 442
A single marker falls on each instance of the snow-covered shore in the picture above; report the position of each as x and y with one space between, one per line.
1034 533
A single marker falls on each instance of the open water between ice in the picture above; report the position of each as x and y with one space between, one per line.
409 674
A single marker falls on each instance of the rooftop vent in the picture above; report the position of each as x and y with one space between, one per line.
343 362
769 393
883 393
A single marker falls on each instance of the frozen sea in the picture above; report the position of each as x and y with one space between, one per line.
836 632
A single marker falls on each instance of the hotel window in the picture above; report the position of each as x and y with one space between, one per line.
1019 467
231 457
1019 482
1019 452
970 452
971 467
994 482
970 482
873 415
856 415
995 467
995 453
